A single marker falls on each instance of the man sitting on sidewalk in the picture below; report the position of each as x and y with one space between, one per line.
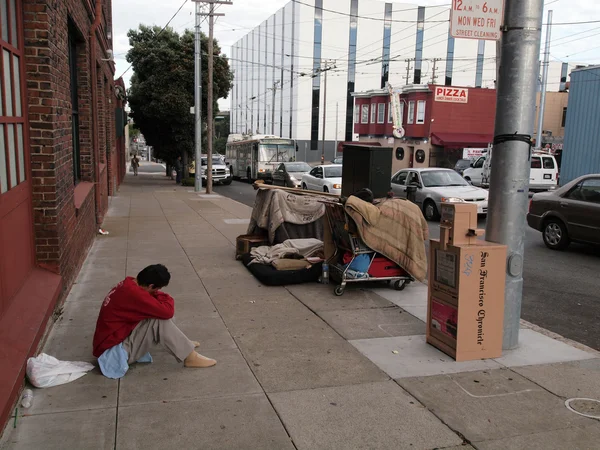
135 316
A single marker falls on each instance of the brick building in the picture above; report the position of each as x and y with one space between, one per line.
439 122
60 160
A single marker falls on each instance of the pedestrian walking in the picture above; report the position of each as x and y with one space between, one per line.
135 164
179 169
136 316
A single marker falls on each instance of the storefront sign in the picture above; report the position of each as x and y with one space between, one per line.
476 19
451 95
396 105
472 153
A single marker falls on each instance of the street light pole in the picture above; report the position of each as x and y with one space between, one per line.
274 89
542 108
509 181
337 112
324 118
198 102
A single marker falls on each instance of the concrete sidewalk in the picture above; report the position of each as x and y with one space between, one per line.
297 367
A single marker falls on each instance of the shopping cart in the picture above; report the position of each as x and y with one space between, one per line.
347 240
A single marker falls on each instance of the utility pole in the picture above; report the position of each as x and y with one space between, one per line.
408 68
198 102
542 108
274 89
337 112
433 75
326 68
209 108
509 181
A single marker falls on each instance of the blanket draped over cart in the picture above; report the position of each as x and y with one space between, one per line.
286 215
395 228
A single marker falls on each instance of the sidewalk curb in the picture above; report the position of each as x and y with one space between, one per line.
558 337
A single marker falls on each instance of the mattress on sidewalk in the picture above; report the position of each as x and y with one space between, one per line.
270 276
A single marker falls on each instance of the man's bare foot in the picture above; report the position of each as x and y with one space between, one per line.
196 360
196 344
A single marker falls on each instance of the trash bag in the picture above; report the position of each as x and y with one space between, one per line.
46 371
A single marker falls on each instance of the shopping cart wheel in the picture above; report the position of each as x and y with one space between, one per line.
339 290
400 285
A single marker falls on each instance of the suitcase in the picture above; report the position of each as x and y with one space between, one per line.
383 267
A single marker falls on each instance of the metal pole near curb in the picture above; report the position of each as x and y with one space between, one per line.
198 102
542 109
509 181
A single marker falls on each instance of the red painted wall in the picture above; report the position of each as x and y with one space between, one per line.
477 116
417 130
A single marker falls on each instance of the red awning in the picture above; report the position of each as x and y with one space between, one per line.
461 139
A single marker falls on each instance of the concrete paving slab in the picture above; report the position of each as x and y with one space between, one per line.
238 422
489 405
415 294
420 312
70 343
568 380
84 314
215 257
237 221
308 364
201 307
319 297
415 357
69 430
92 391
535 348
167 380
107 274
367 416
576 438
210 331
373 323
88 292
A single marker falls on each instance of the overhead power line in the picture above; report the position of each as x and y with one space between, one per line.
377 19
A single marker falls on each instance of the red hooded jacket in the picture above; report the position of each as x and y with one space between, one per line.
126 305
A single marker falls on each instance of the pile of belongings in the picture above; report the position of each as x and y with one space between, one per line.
291 262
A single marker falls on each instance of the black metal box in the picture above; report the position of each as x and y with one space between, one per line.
367 167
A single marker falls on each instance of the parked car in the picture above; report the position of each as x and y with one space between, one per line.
462 165
289 174
220 171
434 186
474 173
324 178
338 160
568 214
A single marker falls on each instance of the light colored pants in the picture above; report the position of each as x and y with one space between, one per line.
152 332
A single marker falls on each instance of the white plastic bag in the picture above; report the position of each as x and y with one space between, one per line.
46 371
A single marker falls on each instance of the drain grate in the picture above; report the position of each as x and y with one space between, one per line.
587 407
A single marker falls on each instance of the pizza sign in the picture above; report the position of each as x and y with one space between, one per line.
451 95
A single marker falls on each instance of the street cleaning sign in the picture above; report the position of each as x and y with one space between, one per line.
476 19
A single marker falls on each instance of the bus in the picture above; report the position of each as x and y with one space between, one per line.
256 157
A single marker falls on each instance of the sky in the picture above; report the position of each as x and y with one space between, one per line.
578 43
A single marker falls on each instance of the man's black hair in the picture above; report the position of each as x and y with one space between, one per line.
156 275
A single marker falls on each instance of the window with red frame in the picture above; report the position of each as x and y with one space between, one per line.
12 120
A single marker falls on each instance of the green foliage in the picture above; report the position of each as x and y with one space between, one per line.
188 181
162 87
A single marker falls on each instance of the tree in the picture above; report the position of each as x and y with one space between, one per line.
162 87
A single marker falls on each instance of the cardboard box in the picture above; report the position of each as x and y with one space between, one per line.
465 313
247 241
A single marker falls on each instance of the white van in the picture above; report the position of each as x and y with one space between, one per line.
544 172
474 174
543 175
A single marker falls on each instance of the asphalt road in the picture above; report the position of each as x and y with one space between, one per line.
561 289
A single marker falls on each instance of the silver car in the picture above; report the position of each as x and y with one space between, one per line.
432 186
